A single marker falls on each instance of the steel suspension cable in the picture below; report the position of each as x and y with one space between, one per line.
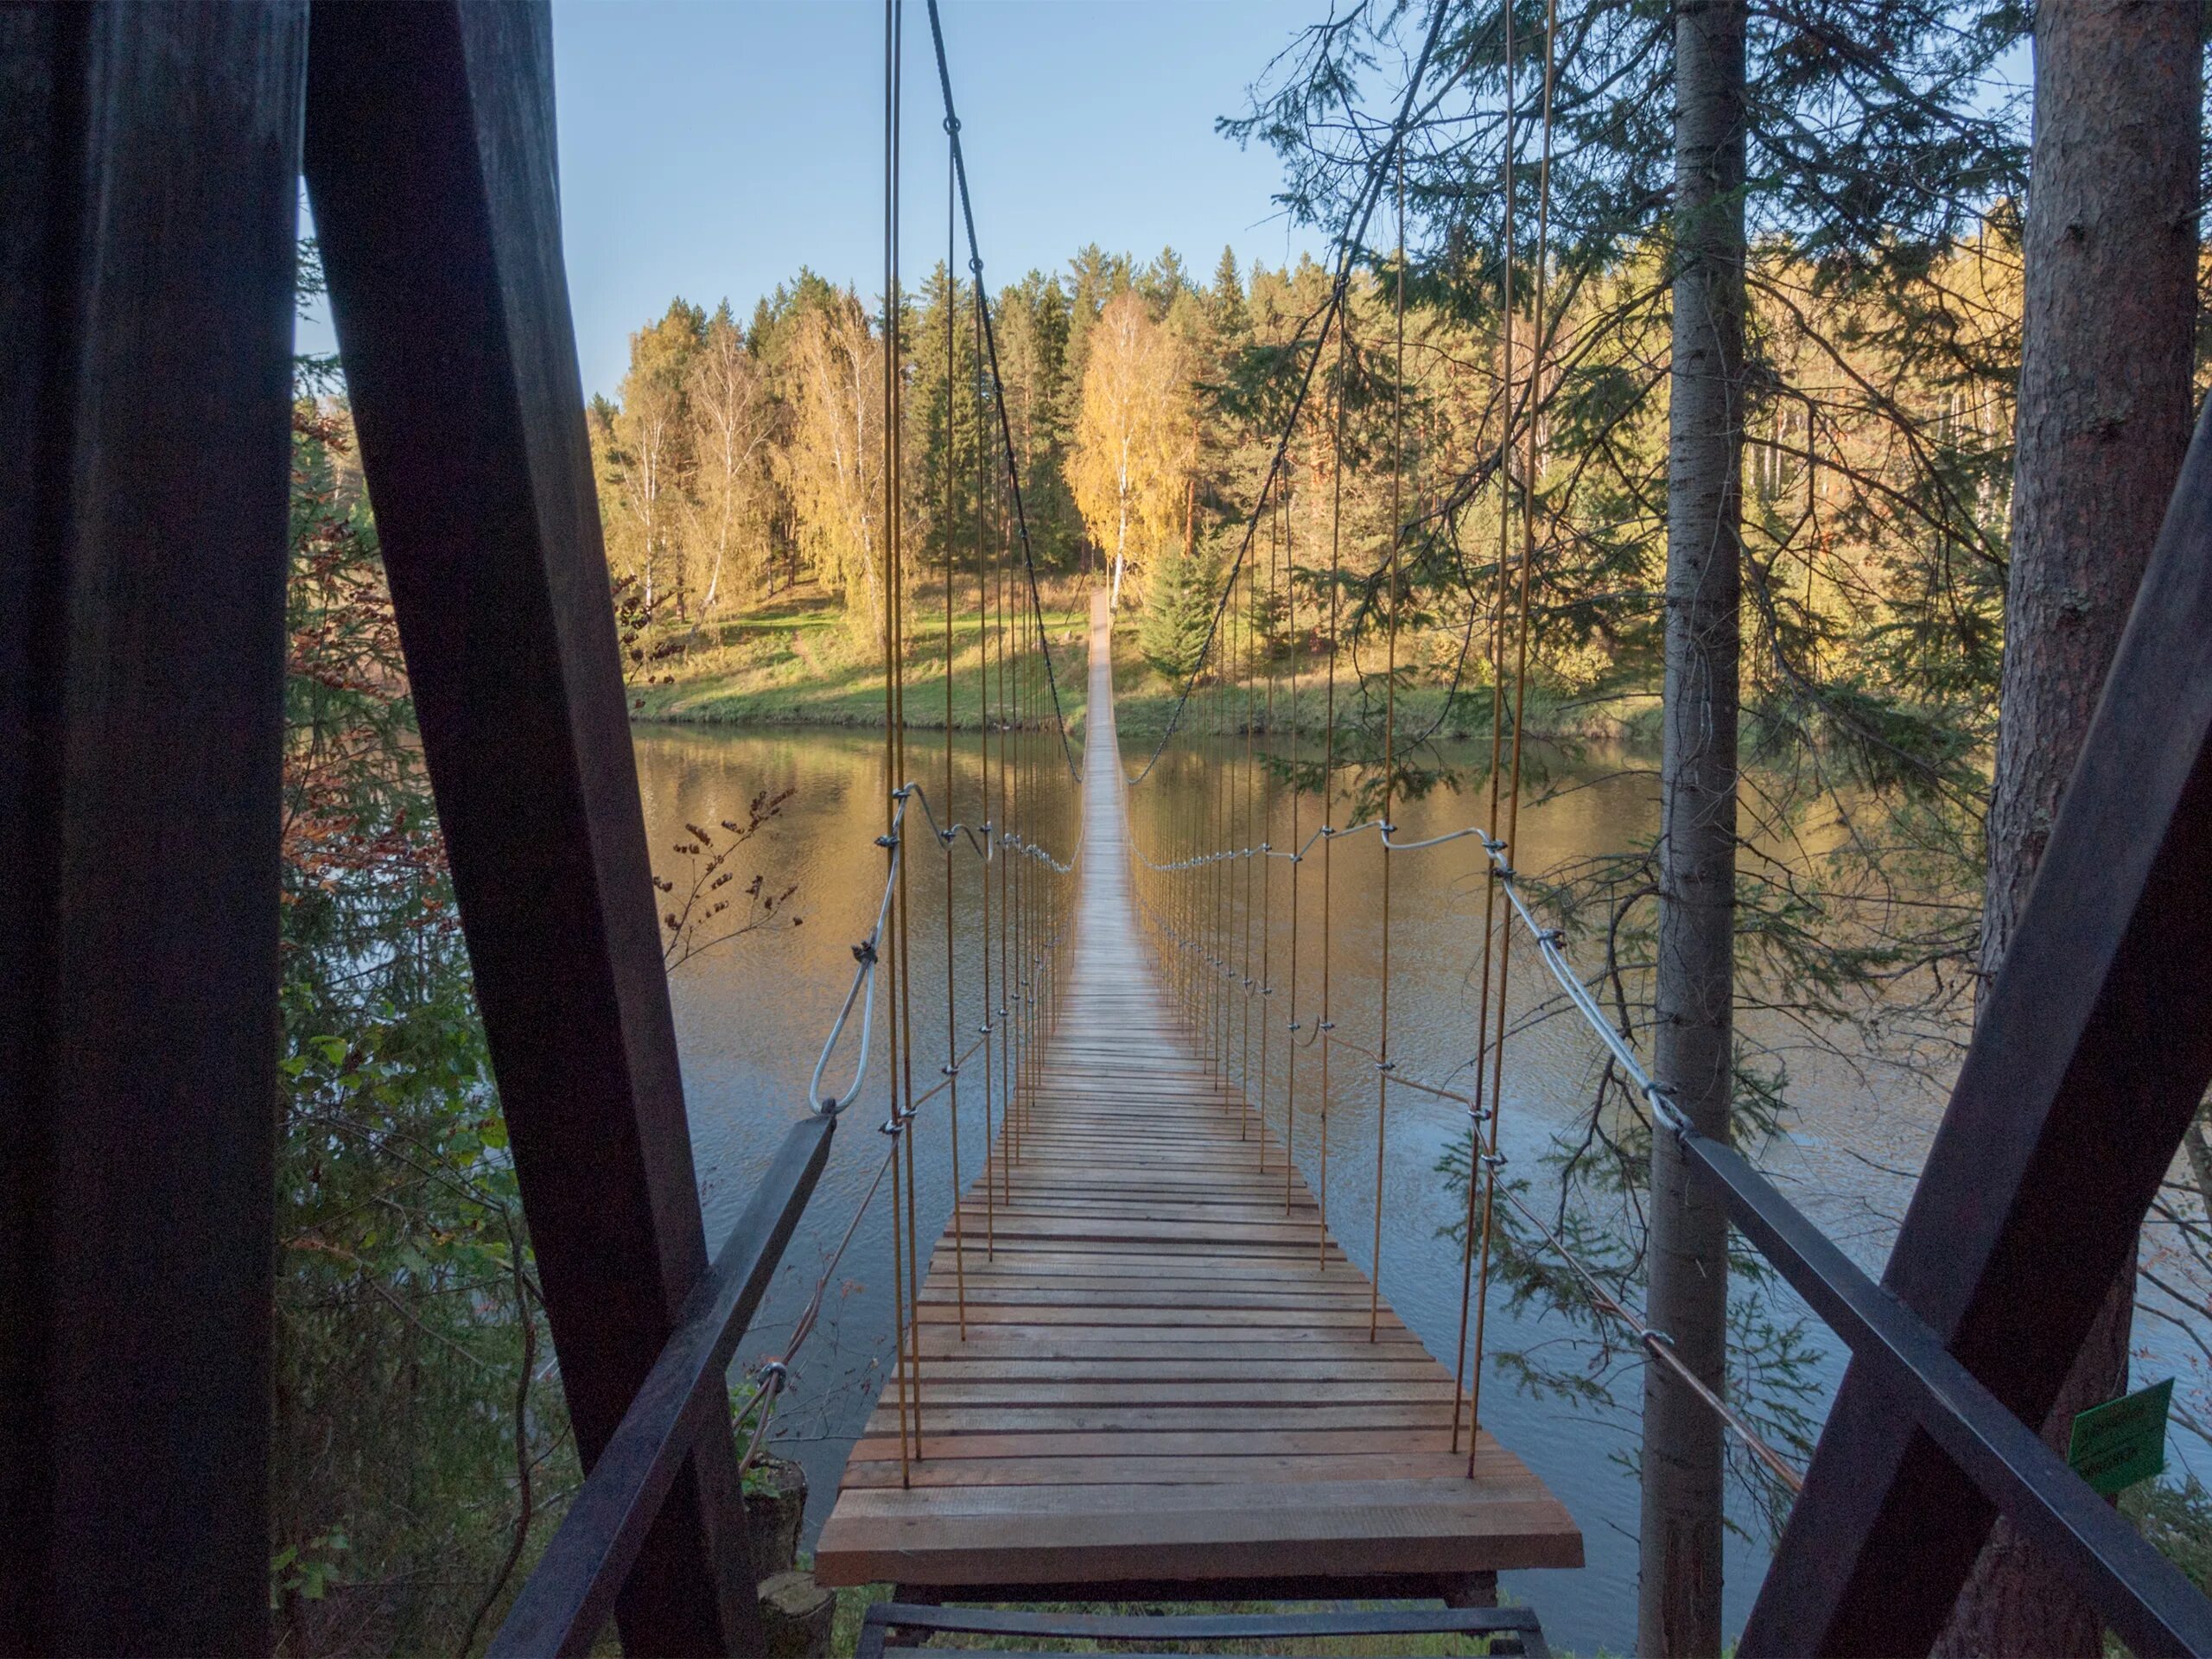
894 1124
1493 1161
1018 812
894 347
989 801
1491 944
1251 834
1225 888
1528 493
1326 1024
1006 878
1382 1061
1018 808
951 1009
1267 820
1297 790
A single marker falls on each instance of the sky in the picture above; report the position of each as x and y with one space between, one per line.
709 149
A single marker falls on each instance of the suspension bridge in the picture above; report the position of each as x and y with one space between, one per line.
1140 1359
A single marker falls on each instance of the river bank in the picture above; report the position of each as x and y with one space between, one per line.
802 665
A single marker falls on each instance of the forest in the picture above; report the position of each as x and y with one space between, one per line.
1906 495
739 465
738 473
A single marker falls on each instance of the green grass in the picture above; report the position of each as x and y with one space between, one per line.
800 664
1144 701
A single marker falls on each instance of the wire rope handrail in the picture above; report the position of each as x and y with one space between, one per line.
868 954
1550 943
2135 1588
1656 1343
980 836
1268 850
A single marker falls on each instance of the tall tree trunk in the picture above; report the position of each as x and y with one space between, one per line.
721 540
1120 549
2103 421
1679 1601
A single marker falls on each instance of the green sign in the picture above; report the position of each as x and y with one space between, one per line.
2117 1444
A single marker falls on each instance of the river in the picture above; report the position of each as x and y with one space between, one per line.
752 1012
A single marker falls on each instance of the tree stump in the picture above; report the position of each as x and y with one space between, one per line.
797 1616
1471 1590
773 1512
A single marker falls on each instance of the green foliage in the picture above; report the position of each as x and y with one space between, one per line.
2177 1519
1881 359
1179 611
414 1436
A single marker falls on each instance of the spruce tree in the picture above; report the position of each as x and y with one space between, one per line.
1177 610
1231 318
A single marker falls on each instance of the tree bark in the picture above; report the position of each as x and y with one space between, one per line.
2103 421
1679 1600
1120 546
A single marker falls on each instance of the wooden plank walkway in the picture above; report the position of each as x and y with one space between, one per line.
1167 1374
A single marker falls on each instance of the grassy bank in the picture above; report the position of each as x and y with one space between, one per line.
800 664
1144 701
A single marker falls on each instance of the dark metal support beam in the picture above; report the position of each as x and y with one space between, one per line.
432 166
148 202
2138 1593
2093 1048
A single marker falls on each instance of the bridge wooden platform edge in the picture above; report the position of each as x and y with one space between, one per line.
1166 1375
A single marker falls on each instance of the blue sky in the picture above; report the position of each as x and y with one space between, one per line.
709 149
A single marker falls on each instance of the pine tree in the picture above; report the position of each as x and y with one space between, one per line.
1032 322
1164 281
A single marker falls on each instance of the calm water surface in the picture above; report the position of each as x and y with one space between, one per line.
751 1016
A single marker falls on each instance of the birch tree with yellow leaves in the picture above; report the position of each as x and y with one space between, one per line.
1136 437
834 461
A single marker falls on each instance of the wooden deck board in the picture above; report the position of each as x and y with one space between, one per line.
1166 1373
